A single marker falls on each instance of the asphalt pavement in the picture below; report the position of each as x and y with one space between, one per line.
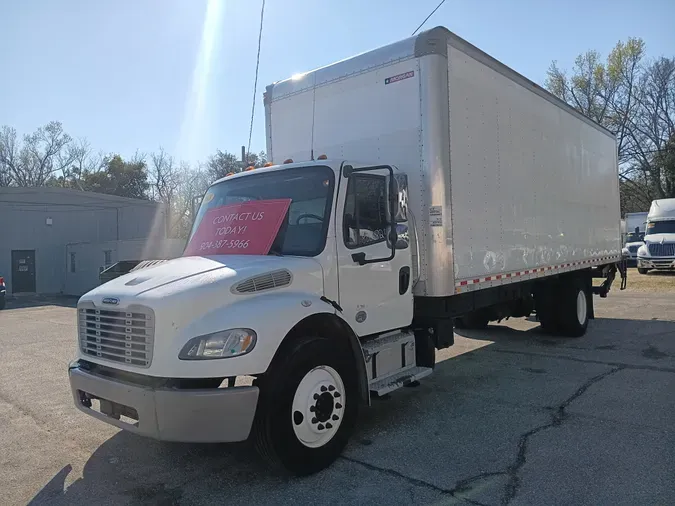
510 416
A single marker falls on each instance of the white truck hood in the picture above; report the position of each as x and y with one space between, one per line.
186 274
659 238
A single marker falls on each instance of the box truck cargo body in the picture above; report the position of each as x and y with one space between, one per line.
504 178
414 189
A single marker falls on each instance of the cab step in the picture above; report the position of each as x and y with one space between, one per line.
389 384
390 361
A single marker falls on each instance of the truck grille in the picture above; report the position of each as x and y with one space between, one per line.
662 250
633 249
119 336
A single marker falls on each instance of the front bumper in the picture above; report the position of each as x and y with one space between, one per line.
192 416
656 263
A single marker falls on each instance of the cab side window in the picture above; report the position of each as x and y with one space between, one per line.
365 218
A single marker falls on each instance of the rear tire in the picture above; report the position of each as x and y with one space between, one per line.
574 307
308 405
642 271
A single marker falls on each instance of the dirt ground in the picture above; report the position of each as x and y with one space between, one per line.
653 281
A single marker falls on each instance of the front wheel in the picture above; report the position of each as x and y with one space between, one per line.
308 405
642 271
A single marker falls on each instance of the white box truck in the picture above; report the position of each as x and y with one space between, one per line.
658 250
634 233
415 187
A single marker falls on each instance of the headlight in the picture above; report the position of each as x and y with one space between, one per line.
222 344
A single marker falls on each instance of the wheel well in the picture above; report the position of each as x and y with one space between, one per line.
329 326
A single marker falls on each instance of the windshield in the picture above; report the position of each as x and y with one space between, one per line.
310 189
661 227
634 237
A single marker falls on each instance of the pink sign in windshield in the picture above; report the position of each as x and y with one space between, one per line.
248 228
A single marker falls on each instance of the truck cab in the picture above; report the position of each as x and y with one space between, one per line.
317 323
658 250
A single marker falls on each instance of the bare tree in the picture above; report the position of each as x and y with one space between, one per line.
42 154
164 176
9 156
77 161
653 126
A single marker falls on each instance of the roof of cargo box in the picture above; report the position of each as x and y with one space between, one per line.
433 41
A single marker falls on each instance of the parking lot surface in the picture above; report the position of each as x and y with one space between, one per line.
510 416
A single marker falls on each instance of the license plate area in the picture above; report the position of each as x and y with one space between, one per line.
111 409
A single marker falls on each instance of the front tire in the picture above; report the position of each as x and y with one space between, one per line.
642 271
308 405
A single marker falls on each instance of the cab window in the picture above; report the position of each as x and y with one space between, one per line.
365 218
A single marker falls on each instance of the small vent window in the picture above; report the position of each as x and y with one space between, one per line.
268 281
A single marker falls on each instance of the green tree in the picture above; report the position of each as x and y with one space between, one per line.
119 177
223 163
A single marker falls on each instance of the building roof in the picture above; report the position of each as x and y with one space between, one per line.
49 195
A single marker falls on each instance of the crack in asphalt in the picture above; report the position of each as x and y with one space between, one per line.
416 481
621 365
558 416
23 411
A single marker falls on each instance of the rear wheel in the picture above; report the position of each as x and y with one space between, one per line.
308 405
642 271
573 313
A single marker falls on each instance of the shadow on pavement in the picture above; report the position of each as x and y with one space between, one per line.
130 469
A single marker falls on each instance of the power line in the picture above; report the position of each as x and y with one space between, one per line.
255 83
427 18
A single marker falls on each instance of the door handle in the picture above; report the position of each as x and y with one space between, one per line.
403 280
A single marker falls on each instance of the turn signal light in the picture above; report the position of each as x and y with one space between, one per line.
322 157
268 164
250 167
288 160
229 174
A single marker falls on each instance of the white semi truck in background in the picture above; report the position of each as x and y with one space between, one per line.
634 233
658 250
416 187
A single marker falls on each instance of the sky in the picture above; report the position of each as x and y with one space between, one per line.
134 75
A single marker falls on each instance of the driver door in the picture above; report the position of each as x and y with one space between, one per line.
375 283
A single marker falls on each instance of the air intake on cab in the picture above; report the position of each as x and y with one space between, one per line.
267 281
